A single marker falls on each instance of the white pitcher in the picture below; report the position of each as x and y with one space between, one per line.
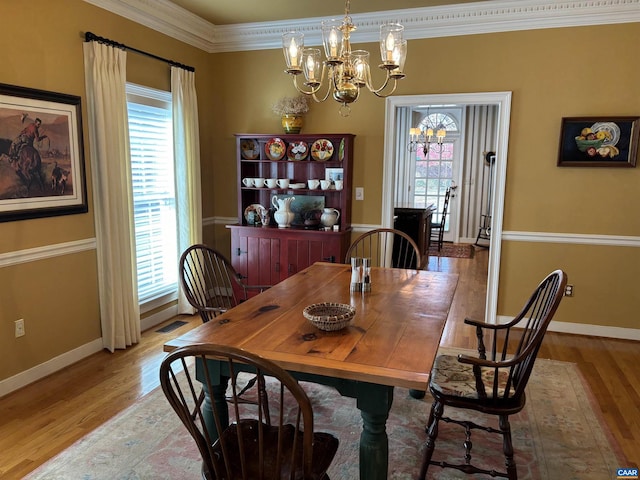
283 215
329 217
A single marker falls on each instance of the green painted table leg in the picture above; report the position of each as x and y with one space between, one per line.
374 402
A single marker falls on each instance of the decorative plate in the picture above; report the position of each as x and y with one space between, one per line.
252 213
297 151
329 316
249 148
275 149
321 150
341 150
611 132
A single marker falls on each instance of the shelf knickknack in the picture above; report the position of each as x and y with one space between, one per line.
291 111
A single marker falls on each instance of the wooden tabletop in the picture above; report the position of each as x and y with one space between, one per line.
392 339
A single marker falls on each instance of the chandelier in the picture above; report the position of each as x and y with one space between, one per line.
345 71
423 138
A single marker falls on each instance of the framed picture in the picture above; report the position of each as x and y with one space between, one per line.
599 142
41 154
334 174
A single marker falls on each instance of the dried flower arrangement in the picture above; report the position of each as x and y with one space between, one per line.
291 106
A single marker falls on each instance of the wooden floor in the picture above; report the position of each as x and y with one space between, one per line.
41 420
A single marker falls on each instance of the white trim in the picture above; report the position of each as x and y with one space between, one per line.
427 22
17 257
157 318
55 364
572 238
586 329
27 377
220 221
503 100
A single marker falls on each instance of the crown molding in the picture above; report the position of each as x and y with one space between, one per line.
428 22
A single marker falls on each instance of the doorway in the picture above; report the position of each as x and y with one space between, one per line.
394 143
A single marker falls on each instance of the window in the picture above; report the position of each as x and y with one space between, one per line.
154 203
434 172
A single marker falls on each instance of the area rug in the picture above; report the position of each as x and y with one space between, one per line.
454 250
557 436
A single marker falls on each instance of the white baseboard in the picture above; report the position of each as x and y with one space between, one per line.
159 317
586 329
27 377
38 372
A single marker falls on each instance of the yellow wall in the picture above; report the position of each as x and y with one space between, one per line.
552 73
58 297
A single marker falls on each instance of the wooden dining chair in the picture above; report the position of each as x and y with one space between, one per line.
212 286
210 282
437 228
493 383
251 446
386 247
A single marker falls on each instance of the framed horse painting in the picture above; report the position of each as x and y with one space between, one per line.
41 154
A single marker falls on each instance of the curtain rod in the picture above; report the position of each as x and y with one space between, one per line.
89 37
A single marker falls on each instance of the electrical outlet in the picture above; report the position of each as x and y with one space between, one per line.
359 193
568 291
19 328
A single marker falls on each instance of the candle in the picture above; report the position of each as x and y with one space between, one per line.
333 43
293 53
311 69
389 46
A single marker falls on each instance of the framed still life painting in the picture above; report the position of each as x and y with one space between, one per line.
599 142
41 154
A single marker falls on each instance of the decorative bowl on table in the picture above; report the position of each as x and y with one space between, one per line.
329 316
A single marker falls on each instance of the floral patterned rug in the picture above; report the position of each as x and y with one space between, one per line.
557 436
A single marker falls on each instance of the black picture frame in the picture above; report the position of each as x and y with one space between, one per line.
599 142
44 176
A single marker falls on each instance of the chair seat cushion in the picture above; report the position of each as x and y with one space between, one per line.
455 379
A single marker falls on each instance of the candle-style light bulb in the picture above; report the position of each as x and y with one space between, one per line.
293 53
311 66
333 43
389 46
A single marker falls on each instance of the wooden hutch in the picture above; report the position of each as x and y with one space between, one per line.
266 254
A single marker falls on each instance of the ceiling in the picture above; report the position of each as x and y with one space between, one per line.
246 25
226 12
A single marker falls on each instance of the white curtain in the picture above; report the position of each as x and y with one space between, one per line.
187 160
105 77
481 133
405 160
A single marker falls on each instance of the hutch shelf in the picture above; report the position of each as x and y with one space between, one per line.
264 253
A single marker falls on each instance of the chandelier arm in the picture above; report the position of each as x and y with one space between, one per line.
377 91
385 95
320 100
313 91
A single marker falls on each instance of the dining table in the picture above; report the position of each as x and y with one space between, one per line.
391 341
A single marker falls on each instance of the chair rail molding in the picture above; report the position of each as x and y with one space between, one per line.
48 251
572 238
426 22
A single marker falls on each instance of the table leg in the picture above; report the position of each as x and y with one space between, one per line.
374 403
216 393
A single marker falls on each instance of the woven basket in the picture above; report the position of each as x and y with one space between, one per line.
329 316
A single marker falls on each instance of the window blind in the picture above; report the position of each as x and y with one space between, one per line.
152 171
